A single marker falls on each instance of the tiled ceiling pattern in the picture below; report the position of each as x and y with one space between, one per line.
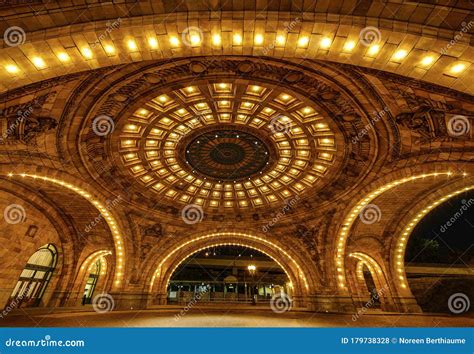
419 40
40 15
153 141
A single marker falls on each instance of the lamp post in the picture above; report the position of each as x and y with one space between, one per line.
252 269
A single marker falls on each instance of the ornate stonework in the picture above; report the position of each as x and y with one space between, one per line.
144 156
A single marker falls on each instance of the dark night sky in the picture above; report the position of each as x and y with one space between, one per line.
455 245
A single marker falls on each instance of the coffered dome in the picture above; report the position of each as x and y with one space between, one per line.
227 143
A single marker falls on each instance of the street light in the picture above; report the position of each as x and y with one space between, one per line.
252 268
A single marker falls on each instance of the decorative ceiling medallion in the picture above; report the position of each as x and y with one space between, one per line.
227 155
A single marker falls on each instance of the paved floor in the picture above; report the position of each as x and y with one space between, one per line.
202 317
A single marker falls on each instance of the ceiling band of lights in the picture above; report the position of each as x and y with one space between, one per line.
152 45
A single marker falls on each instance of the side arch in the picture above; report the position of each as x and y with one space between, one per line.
366 208
407 224
83 190
76 294
22 239
358 284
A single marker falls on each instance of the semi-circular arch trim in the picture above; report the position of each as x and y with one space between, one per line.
398 264
217 244
104 211
257 239
353 214
92 258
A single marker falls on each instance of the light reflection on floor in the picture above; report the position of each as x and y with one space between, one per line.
199 317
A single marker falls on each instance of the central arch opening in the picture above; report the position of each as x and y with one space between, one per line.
230 274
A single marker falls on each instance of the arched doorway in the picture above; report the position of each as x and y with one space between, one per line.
95 270
228 274
35 277
93 276
296 264
369 287
372 292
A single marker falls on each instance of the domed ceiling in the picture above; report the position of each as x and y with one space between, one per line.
227 143
229 135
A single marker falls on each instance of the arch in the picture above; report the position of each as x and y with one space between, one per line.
62 234
357 280
353 214
406 227
35 276
230 278
176 265
128 46
77 292
104 210
296 269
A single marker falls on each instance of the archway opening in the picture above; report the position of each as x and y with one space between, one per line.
35 277
368 284
95 270
439 257
370 287
294 265
228 274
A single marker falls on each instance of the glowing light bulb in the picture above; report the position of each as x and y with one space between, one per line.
12 69
303 42
109 49
195 39
258 40
174 41
87 53
349 46
280 40
458 68
237 38
38 62
132 45
427 60
373 49
216 39
153 42
325 43
400 54
64 57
